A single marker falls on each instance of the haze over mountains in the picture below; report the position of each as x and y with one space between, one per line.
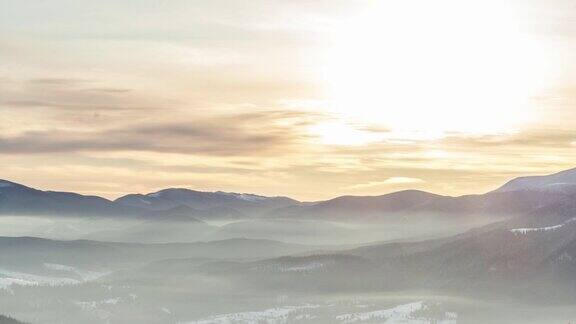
18 199
515 197
180 255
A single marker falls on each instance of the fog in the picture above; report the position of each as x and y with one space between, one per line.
298 231
106 270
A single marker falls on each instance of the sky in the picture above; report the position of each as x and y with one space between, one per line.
304 98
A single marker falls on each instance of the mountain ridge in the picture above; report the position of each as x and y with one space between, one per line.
516 196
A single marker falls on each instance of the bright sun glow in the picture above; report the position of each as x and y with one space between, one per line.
428 68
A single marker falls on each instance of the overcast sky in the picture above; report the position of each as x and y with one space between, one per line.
310 99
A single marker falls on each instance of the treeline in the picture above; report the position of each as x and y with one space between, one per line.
9 320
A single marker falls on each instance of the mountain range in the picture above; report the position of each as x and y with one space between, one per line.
170 204
531 257
517 197
165 261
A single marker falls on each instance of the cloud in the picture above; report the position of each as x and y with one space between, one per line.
176 94
110 90
542 138
58 81
68 94
248 134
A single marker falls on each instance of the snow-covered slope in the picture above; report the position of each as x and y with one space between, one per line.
562 182
60 275
407 313
226 202
413 313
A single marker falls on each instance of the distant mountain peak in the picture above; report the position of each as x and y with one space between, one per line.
171 193
207 205
560 182
413 192
166 191
6 183
243 196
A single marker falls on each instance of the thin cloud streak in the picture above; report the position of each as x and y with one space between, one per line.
225 136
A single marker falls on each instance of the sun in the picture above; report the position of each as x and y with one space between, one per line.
429 68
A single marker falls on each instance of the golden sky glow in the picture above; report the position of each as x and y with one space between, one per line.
309 99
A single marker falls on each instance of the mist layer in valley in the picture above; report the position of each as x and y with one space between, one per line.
185 256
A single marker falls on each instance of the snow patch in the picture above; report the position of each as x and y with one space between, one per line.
84 274
565 257
302 267
144 201
58 267
305 267
413 313
278 315
94 307
244 196
9 278
541 229
399 314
